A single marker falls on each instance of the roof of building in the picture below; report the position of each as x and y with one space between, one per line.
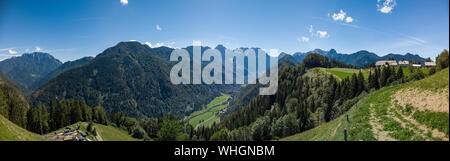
383 62
430 63
403 62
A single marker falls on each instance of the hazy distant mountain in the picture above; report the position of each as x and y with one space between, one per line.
28 68
133 78
64 67
359 59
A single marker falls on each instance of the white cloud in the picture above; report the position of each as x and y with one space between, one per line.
11 51
339 16
37 49
157 45
311 29
303 39
158 28
274 52
387 6
349 19
342 16
5 49
196 43
322 34
124 2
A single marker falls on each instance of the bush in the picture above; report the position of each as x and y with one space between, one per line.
169 131
138 132
89 127
221 135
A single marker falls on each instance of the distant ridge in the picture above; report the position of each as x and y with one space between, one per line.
64 67
29 67
358 59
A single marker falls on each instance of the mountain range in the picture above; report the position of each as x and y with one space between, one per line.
134 78
61 69
358 59
29 67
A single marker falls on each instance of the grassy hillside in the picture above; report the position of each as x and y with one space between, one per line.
109 133
413 111
208 115
341 73
11 132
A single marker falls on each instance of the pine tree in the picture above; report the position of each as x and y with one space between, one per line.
354 86
399 74
43 119
376 78
361 83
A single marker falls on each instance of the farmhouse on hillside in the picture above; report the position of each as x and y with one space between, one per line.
417 65
430 64
386 63
403 63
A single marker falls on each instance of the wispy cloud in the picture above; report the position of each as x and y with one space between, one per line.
274 52
5 49
159 44
313 34
37 49
9 55
322 34
124 2
158 28
386 6
11 51
303 39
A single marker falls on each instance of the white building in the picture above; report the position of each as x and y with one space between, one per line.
403 63
386 63
430 64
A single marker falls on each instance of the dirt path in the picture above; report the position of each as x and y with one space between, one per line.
98 137
335 130
377 128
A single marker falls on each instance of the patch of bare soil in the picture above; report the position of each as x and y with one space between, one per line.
424 99
377 128
424 129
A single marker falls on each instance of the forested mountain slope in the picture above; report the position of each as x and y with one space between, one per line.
29 67
129 77
61 69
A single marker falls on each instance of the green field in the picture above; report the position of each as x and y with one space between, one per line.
341 73
109 133
379 116
11 132
208 116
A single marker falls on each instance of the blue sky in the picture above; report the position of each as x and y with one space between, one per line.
71 29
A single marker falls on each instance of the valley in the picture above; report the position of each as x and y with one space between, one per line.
125 94
208 116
